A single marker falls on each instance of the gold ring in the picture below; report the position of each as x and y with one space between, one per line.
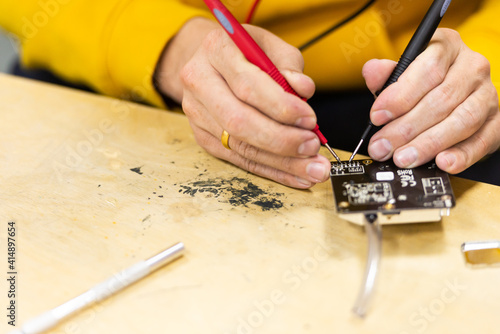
225 139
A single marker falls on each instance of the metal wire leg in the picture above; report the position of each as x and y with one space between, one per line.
374 234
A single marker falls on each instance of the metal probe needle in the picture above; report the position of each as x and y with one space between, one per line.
333 153
323 141
363 137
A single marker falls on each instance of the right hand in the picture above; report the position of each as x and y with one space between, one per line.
270 129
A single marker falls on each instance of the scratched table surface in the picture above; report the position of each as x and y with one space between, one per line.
93 185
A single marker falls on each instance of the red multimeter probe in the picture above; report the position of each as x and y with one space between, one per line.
255 55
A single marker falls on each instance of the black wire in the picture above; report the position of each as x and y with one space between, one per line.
336 26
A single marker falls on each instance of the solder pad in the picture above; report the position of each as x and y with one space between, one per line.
396 195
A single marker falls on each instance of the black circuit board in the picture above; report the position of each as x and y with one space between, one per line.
367 186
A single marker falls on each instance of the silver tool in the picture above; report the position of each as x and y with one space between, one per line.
101 291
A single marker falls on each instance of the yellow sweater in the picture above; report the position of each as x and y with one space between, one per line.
113 45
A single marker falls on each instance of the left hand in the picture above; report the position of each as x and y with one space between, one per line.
443 106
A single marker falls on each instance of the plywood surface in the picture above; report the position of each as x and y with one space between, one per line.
95 184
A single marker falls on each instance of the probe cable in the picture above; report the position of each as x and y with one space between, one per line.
336 26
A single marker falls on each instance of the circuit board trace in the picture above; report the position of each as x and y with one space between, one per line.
396 194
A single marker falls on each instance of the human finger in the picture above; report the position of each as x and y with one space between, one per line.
434 107
287 175
463 122
243 121
375 72
464 154
307 171
256 88
424 74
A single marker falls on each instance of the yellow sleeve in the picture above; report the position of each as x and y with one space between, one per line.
481 33
110 45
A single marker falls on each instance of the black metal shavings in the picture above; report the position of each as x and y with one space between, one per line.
235 191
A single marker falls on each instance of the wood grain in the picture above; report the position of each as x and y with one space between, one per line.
96 184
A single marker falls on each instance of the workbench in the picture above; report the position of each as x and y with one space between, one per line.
93 185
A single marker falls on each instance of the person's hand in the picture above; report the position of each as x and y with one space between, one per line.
270 129
444 106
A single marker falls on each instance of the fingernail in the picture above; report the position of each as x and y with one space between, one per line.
303 182
380 149
380 117
407 157
306 122
317 172
296 74
310 147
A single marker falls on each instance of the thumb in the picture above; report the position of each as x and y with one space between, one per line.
301 83
376 72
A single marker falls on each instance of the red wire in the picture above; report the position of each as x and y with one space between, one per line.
252 11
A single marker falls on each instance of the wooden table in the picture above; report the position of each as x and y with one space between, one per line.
95 184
